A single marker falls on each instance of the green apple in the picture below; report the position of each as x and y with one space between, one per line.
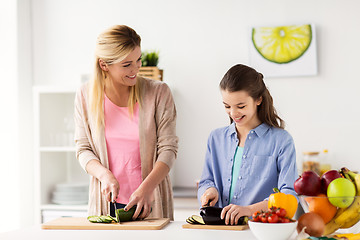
341 192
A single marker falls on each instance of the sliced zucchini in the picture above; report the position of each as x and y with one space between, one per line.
100 219
106 219
114 219
194 219
198 219
188 220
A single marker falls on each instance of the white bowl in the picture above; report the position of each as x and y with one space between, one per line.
272 231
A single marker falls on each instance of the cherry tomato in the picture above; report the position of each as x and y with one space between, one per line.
264 217
285 220
281 212
273 209
273 218
256 216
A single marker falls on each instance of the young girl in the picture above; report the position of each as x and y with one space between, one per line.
247 159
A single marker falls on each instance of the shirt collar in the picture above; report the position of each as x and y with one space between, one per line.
259 130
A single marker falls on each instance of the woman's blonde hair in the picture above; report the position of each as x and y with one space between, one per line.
112 46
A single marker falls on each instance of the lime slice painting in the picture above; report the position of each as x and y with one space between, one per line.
282 44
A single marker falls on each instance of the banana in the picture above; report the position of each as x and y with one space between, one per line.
352 222
353 210
332 226
348 216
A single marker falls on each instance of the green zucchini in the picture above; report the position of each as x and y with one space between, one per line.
121 214
125 216
100 219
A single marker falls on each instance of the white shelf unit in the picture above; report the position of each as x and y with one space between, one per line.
55 160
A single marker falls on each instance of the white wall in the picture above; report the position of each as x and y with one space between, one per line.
25 111
9 141
198 42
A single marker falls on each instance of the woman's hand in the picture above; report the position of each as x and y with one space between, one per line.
109 186
143 199
210 197
232 213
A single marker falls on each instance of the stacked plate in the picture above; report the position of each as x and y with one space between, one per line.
71 193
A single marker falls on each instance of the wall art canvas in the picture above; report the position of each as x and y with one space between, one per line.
284 51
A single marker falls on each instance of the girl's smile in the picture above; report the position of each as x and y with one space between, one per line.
238 119
241 108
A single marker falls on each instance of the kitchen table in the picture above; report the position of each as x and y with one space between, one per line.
172 231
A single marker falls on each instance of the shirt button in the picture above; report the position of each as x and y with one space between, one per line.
252 131
240 178
244 156
249 137
235 197
229 179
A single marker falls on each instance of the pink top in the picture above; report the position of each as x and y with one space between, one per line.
123 149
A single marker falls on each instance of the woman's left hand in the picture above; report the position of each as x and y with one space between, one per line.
143 201
232 213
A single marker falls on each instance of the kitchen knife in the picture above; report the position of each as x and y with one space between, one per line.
116 213
115 208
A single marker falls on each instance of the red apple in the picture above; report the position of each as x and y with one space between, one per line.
309 184
327 177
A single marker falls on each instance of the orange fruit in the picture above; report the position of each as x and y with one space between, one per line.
321 205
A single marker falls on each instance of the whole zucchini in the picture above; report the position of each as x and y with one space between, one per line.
211 216
126 216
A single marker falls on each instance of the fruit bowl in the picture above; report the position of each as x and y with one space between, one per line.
334 217
272 231
313 203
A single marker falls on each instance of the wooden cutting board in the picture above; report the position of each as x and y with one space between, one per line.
84 224
216 227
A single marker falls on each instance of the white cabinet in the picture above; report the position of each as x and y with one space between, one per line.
55 160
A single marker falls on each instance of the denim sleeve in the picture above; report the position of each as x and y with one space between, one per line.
207 177
287 167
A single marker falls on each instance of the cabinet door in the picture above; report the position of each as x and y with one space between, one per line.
56 119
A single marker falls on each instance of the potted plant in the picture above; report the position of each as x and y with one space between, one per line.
149 66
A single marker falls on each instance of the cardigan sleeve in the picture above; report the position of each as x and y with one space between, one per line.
167 141
84 149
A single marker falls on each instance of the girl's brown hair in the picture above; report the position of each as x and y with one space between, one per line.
241 77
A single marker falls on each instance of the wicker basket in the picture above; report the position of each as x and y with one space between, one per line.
151 72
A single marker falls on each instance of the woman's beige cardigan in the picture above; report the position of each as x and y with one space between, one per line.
157 136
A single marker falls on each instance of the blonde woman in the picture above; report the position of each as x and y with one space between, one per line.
125 131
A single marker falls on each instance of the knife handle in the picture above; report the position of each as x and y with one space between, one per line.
112 198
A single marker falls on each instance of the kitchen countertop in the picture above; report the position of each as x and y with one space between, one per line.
173 230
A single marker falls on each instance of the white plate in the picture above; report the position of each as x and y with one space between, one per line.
69 202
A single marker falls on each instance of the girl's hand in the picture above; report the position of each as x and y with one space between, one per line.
143 199
109 187
210 197
232 213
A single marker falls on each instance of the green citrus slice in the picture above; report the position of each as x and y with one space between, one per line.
282 44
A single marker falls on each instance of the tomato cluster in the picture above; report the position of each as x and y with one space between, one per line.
273 215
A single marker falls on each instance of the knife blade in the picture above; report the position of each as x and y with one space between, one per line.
116 213
115 208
